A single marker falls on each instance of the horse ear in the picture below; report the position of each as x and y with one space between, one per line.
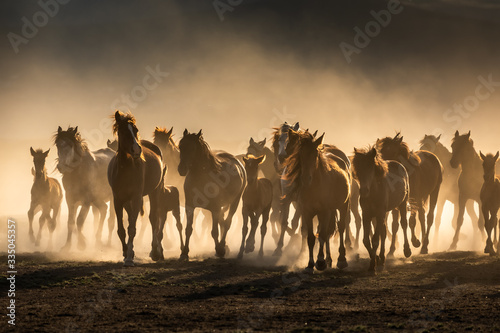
319 140
496 156
252 141
400 139
261 159
468 135
457 134
296 126
108 142
355 150
397 135
46 153
75 130
32 151
481 155
185 132
373 153
263 143
199 134
117 115
169 133
59 129
439 137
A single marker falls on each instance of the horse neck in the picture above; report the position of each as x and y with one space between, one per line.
44 178
172 156
443 153
472 162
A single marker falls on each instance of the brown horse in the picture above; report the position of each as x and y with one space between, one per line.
490 199
46 195
84 180
257 201
321 183
269 171
470 180
135 171
169 202
425 173
214 181
384 186
448 191
112 144
171 157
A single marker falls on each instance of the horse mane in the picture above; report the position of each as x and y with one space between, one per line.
213 161
128 117
292 163
159 137
404 149
381 166
73 135
276 137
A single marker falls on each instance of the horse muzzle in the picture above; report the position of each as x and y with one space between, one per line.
454 164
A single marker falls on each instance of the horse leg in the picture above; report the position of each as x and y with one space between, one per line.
121 231
367 227
44 217
82 215
162 218
430 219
31 215
244 231
383 234
344 211
460 220
275 218
53 224
176 212
357 222
285 210
413 224
395 227
324 221
111 221
157 232
348 233
103 211
404 225
307 220
71 224
189 230
254 223
379 229
488 219
480 222
132 209
263 230
439 213
216 221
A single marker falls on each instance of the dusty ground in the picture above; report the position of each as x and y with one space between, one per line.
456 291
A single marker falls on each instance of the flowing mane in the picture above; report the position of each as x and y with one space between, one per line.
71 134
403 149
164 137
125 117
360 162
292 163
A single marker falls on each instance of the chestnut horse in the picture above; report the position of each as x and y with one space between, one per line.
214 181
490 199
46 195
469 182
384 186
321 183
84 180
425 173
257 201
135 171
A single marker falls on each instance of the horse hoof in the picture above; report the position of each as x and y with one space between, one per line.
329 263
407 252
128 263
309 270
154 256
184 257
424 250
277 253
415 242
390 254
240 256
321 265
220 251
341 264
261 254
249 248
453 247
66 247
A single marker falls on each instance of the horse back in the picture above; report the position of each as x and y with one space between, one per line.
431 172
153 169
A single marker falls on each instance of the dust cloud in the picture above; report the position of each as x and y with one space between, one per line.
177 64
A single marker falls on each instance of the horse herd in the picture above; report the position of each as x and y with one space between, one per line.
317 178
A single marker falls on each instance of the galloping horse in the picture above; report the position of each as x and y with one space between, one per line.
135 171
84 180
470 180
449 185
384 186
257 201
321 183
169 202
269 171
214 181
46 194
490 199
424 171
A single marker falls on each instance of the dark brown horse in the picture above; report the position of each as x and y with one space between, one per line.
425 173
384 186
490 199
321 183
257 201
470 180
169 202
449 186
269 171
171 157
84 180
135 171
214 181
46 195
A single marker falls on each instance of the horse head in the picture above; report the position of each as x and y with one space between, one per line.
128 135
459 146
39 157
189 147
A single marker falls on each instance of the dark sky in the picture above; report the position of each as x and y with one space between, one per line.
265 62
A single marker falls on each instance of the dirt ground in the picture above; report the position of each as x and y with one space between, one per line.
447 291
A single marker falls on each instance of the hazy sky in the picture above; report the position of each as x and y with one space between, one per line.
266 62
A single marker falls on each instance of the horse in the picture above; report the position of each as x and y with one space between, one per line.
425 173
169 202
112 144
84 181
46 195
258 148
135 171
214 181
321 183
469 181
257 201
490 198
384 187
448 191
171 157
